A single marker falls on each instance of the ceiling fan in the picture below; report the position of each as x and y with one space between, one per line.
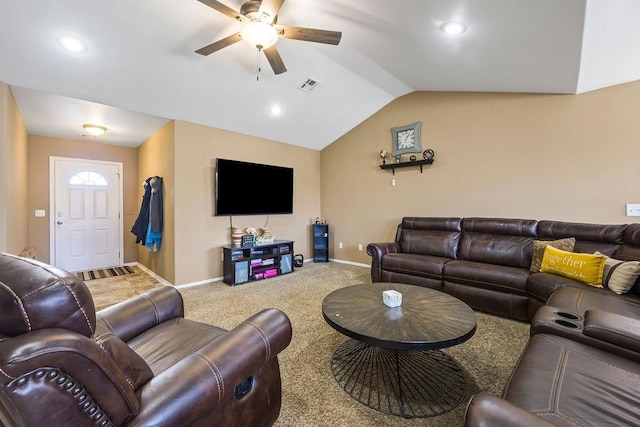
259 29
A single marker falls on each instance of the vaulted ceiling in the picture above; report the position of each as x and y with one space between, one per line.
140 69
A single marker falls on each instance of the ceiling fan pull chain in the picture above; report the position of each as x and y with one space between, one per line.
258 66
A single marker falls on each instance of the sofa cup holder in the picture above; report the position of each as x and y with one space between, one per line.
566 315
566 323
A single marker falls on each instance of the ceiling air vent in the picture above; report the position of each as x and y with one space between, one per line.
309 85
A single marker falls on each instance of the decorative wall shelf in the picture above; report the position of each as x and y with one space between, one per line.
394 166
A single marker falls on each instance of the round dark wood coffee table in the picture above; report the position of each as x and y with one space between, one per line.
393 363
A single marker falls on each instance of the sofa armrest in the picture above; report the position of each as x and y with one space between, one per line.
210 375
136 315
376 251
613 328
486 410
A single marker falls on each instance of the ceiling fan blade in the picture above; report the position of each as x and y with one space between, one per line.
269 9
309 34
223 9
215 46
275 60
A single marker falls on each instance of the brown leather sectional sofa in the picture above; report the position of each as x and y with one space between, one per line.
485 261
581 365
137 363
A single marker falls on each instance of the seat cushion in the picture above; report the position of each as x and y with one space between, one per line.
419 265
487 276
166 344
579 300
570 384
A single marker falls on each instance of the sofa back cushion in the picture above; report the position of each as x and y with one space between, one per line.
34 295
501 241
590 238
429 236
630 250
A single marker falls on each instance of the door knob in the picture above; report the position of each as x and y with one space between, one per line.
59 222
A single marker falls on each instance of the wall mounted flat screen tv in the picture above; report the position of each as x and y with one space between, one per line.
244 188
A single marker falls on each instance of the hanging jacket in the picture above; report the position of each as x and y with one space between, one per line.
150 219
155 204
142 222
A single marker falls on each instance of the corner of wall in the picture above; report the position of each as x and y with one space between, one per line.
156 157
13 174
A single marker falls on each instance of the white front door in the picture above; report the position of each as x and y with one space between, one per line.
85 211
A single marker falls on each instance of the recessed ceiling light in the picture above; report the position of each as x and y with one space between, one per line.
275 110
71 43
453 28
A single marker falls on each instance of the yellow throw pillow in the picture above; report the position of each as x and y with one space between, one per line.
587 268
620 276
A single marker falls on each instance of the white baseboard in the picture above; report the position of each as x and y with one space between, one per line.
217 279
357 264
151 273
198 283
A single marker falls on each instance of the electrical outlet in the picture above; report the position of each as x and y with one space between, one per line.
360 246
633 209
340 245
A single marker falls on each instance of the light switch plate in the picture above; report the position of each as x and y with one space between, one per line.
633 209
40 213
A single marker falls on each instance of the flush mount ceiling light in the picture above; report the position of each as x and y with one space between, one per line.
71 43
453 28
94 130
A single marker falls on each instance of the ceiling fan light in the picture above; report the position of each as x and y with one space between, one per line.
95 130
259 34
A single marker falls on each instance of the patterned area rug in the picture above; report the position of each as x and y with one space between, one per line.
104 273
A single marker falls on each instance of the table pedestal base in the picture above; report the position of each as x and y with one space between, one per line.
410 384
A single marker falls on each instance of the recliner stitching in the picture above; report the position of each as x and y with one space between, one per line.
558 380
7 375
589 356
106 324
265 339
63 280
84 313
126 377
216 373
24 311
155 308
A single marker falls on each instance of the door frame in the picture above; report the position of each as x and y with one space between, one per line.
52 217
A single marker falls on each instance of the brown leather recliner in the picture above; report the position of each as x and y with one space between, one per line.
138 363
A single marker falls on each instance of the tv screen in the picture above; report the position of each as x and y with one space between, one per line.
244 188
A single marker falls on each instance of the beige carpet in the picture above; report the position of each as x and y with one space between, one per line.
311 396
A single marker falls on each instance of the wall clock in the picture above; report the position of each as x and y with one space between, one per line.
406 139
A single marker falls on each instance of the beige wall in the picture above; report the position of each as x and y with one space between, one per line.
156 158
199 234
13 175
563 157
41 148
